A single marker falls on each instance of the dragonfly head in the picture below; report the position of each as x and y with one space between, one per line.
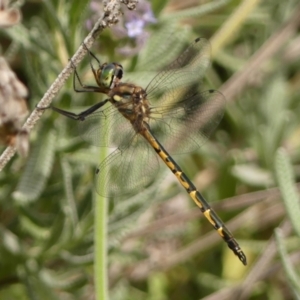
109 75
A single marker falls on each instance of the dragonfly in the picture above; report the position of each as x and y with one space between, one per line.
170 113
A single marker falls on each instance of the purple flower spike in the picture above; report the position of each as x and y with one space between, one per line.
135 27
132 26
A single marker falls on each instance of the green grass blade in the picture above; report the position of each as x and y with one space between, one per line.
286 182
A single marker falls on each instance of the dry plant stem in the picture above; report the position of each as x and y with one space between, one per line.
110 17
238 82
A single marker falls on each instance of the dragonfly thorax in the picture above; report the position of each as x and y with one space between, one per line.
132 103
109 75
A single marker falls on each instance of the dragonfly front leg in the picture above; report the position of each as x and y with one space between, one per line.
81 116
85 88
91 55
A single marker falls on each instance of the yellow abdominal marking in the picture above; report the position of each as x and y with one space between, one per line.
169 164
198 203
154 143
183 183
208 217
220 231
164 156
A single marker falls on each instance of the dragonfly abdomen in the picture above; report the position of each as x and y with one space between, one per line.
199 200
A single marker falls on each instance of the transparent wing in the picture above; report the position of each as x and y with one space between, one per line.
183 121
188 124
176 79
106 128
127 171
131 167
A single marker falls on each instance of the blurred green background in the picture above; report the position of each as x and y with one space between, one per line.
159 244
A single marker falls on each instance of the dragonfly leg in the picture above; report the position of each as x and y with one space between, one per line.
81 116
91 54
85 88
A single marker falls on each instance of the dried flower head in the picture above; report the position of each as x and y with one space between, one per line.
9 16
13 109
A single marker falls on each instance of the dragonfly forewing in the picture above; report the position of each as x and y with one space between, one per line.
177 78
188 124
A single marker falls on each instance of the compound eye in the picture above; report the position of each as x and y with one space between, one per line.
106 75
119 73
